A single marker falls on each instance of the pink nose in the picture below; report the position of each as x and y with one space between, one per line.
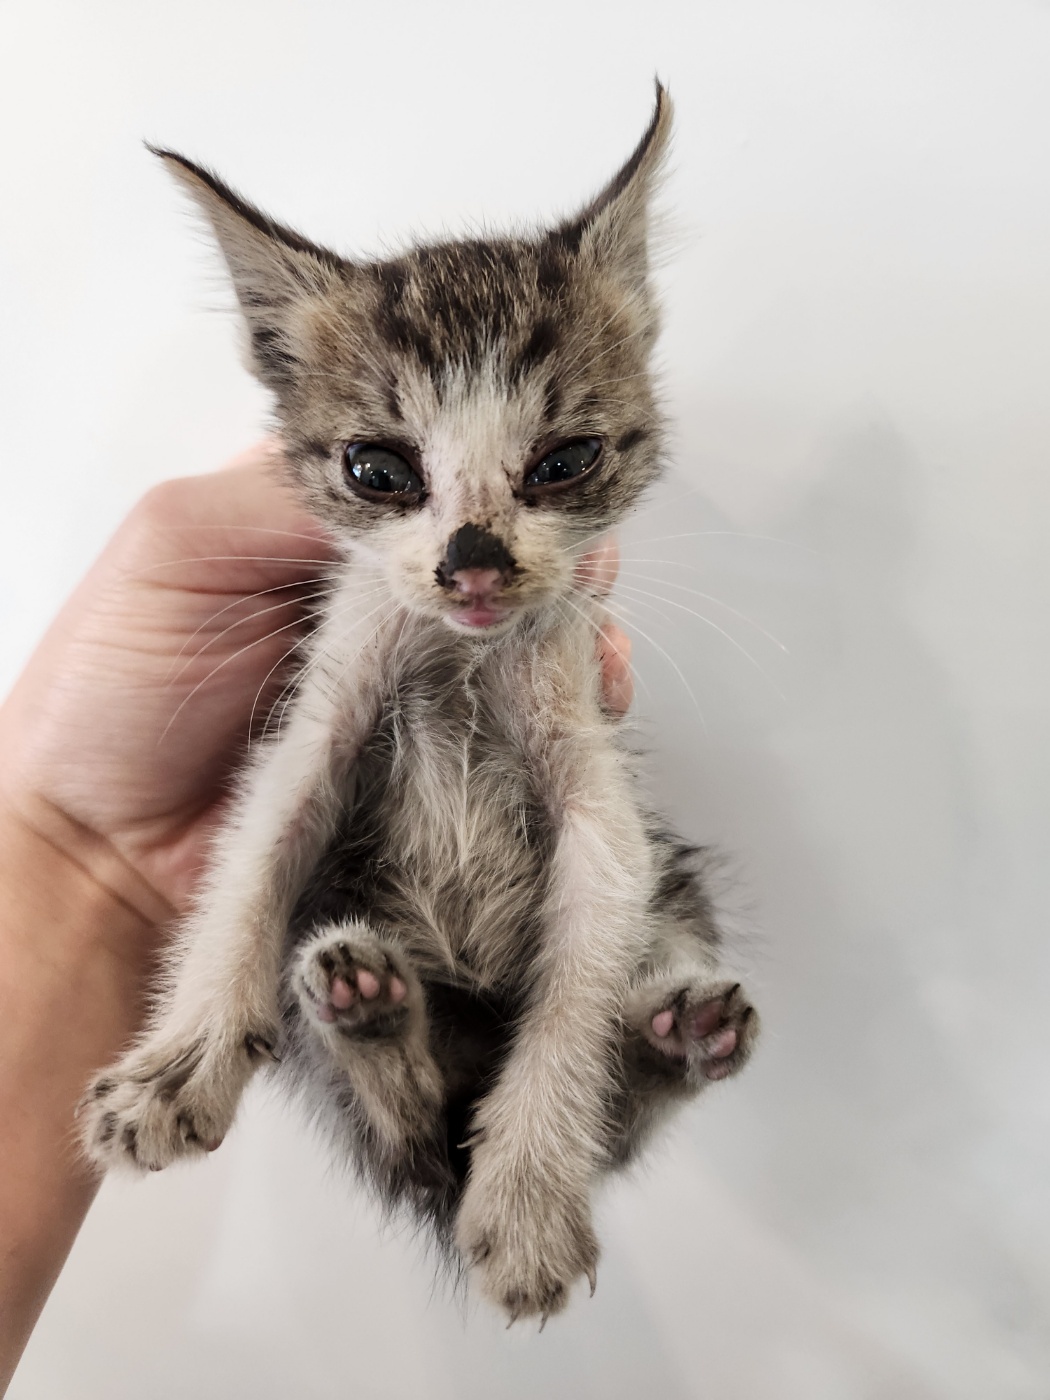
477 583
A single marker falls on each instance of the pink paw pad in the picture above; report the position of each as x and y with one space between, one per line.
342 990
711 1031
367 984
340 994
663 1023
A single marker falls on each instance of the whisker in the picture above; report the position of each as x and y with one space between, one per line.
227 559
732 534
225 662
294 682
375 630
259 612
636 675
642 593
289 684
245 598
633 626
709 598
581 545
253 529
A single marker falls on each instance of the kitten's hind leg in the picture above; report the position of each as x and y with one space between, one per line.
686 1021
681 1030
362 1002
705 1026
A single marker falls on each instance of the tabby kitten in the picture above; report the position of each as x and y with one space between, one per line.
439 909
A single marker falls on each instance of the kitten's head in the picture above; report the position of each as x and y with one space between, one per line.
470 413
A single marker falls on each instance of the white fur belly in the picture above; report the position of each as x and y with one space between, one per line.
462 828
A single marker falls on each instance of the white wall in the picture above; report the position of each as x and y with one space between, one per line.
857 358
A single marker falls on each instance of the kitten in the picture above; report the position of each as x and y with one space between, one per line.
439 905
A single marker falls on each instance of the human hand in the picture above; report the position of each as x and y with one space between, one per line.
123 732
132 713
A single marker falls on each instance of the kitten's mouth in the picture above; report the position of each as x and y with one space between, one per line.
477 617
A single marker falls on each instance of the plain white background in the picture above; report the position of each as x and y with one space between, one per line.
856 360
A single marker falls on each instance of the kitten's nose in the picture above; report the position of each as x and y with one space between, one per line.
477 583
476 562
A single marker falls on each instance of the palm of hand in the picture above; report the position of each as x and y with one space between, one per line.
138 703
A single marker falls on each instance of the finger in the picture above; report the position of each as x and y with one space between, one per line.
236 530
614 654
253 492
596 572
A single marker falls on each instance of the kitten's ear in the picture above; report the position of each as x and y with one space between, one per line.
614 228
274 269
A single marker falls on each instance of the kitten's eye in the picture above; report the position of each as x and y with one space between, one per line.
564 466
380 474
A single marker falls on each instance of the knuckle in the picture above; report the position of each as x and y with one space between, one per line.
168 503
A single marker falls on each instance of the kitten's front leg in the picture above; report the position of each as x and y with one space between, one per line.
525 1220
174 1093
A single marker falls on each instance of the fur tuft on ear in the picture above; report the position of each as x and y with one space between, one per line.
273 268
613 229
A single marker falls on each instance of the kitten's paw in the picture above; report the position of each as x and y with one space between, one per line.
710 1026
352 984
166 1100
525 1237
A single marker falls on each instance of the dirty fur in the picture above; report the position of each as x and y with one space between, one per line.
440 912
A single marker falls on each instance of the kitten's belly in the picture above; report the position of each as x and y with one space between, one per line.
444 847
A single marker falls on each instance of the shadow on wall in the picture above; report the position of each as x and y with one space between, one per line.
859 1132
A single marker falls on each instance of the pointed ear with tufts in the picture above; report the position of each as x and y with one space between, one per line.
274 269
614 228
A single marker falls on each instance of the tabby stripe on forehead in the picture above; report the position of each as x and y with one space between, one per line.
409 339
393 323
541 344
